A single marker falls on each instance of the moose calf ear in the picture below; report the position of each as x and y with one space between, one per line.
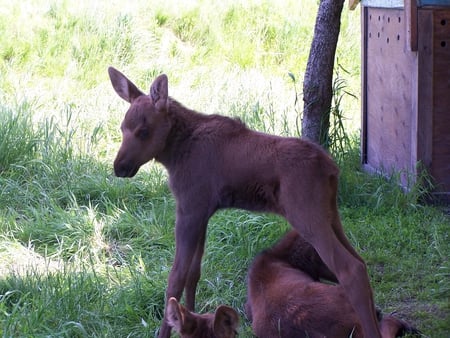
123 87
226 322
174 315
159 92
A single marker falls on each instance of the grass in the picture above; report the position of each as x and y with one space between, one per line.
85 254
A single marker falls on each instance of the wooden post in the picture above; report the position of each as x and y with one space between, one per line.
411 24
352 4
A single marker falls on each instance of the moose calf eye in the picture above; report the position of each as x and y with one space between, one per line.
142 134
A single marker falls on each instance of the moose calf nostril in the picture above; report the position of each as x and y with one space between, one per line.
120 170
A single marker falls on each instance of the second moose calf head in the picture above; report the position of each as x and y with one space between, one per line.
221 324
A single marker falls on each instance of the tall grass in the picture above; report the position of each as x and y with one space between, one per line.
85 254
19 137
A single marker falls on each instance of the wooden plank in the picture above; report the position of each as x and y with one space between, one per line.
411 24
390 74
434 3
383 3
424 130
364 38
440 168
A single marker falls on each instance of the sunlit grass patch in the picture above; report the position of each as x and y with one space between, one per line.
18 259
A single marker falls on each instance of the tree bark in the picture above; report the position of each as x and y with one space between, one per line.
318 81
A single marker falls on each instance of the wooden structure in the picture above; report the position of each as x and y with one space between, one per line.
406 89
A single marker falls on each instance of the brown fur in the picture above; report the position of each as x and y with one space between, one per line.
221 324
216 162
286 298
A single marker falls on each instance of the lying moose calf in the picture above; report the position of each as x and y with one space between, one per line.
222 324
286 298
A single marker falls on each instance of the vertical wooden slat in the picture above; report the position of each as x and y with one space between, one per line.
364 23
425 89
411 24
440 162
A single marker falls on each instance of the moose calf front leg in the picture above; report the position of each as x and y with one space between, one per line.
189 235
194 274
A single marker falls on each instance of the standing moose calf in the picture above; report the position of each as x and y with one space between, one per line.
216 162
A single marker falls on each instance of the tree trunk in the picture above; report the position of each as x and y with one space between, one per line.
318 81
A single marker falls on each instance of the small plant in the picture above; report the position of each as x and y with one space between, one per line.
336 138
297 108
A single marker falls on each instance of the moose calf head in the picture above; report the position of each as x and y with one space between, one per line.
222 324
146 124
